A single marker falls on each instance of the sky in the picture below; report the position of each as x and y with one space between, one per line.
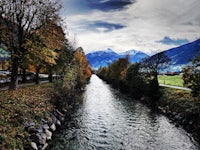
150 26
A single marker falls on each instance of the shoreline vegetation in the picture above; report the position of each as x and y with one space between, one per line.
141 83
29 115
183 109
36 42
27 105
178 105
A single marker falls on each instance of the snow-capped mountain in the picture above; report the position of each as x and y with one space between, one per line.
103 58
134 55
180 56
130 52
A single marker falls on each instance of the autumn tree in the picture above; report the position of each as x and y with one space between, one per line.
152 65
19 20
39 56
53 37
135 81
150 68
83 68
43 47
191 76
65 56
117 70
118 67
103 73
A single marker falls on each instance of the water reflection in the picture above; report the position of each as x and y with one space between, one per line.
111 121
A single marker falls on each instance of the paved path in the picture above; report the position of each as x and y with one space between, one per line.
164 85
175 87
22 85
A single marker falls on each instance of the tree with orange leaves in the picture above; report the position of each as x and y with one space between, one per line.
83 68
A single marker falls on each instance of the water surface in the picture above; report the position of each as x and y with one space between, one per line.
108 120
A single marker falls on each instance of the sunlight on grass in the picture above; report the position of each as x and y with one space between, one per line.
171 80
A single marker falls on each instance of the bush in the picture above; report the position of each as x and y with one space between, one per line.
135 82
191 76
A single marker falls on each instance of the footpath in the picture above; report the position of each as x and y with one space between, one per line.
23 85
175 87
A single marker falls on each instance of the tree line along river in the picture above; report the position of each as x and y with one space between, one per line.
108 120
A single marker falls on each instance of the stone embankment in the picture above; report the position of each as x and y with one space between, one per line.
41 133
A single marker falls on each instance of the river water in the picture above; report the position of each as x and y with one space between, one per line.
108 120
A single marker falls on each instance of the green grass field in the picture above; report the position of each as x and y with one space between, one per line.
171 80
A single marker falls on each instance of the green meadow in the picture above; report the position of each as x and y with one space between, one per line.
171 80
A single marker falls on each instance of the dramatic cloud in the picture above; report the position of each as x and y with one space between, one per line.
135 25
168 41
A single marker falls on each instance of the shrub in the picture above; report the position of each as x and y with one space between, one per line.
191 76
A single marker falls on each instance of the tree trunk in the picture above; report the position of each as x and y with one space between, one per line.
14 74
24 75
50 77
155 76
1 63
37 81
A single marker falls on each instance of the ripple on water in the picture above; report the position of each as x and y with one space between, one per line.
111 121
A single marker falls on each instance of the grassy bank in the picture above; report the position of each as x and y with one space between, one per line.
182 108
171 80
19 107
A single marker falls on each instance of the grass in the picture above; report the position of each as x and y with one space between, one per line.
180 101
21 106
171 80
177 95
181 107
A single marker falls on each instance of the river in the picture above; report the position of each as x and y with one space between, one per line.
108 120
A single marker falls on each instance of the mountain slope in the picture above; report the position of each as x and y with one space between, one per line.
181 56
103 58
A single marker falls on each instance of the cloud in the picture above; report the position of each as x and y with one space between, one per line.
144 23
169 41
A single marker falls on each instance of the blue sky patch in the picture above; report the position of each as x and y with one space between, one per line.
169 41
85 6
109 5
105 26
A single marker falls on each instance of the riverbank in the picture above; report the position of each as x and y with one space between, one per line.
20 107
178 105
108 119
29 116
182 109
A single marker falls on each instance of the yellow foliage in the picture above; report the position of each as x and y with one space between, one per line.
84 70
52 35
123 73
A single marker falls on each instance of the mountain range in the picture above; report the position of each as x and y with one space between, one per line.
180 56
103 58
